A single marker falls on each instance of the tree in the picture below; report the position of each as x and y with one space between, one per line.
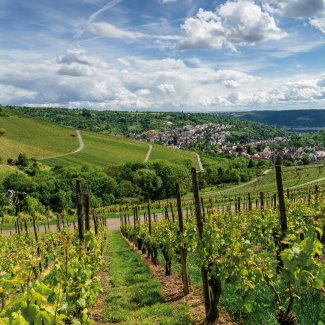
22 160
250 150
239 149
251 164
149 183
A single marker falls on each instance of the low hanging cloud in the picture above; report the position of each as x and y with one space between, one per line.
233 23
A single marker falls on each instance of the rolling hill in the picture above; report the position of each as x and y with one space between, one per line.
58 145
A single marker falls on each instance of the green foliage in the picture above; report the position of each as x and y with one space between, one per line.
61 294
239 250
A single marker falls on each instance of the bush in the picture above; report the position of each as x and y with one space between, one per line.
2 132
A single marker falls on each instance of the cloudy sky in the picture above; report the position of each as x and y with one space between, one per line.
194 55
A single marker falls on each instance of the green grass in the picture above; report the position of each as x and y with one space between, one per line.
6 170
35 138
101 150
135 296
173 155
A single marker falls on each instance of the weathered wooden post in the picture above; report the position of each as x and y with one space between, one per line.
172 211
249 201
199 223
79 210
282 208
87 211
37 242
262 200
182 249
95 221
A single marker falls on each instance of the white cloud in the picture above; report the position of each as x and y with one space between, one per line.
233 23
13 94
76 79
314 10
167 1
167 88
108 30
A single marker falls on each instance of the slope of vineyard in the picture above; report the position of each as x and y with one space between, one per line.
262 272
173 155
293 177
102 150
37 139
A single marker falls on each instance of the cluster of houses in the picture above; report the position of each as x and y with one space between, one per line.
216 135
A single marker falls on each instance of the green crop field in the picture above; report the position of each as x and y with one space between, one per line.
101 150
173 155
36 139
54 145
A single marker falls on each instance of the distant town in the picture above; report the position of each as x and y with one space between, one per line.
218 135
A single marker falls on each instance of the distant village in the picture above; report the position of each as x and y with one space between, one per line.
217 135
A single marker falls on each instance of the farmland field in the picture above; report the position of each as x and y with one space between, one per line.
101 150
173 155
35 138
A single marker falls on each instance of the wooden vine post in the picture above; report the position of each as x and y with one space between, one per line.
199 223
282 208
152 250
79 210
87 212
37 241
182 249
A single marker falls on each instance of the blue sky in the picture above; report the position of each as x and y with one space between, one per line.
194 55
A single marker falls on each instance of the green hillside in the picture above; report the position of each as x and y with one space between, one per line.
101 150
54 144
173 155
35 138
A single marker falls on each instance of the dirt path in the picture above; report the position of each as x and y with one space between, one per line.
199 162
148 153
236 187
309 183
81 147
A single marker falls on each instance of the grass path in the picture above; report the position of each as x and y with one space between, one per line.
132 294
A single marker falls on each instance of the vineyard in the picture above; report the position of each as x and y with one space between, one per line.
255 262
257 256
